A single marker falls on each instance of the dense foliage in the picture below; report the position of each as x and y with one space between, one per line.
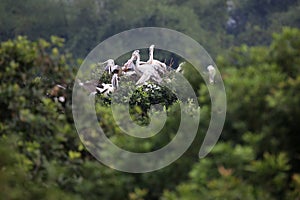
217 24
42 157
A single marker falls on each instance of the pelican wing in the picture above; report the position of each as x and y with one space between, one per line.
156 77
145 77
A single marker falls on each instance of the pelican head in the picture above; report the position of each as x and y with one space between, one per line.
109 62
136 53
151 48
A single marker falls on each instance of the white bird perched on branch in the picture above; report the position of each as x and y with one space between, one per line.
211 73
128 67
110 63
158 65
146 71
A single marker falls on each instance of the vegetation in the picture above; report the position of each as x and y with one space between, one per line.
257 157
85 23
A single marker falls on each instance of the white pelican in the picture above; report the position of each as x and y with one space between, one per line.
110 63
160 66
146 71
128 67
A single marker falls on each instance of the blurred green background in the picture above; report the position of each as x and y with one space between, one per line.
256 45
